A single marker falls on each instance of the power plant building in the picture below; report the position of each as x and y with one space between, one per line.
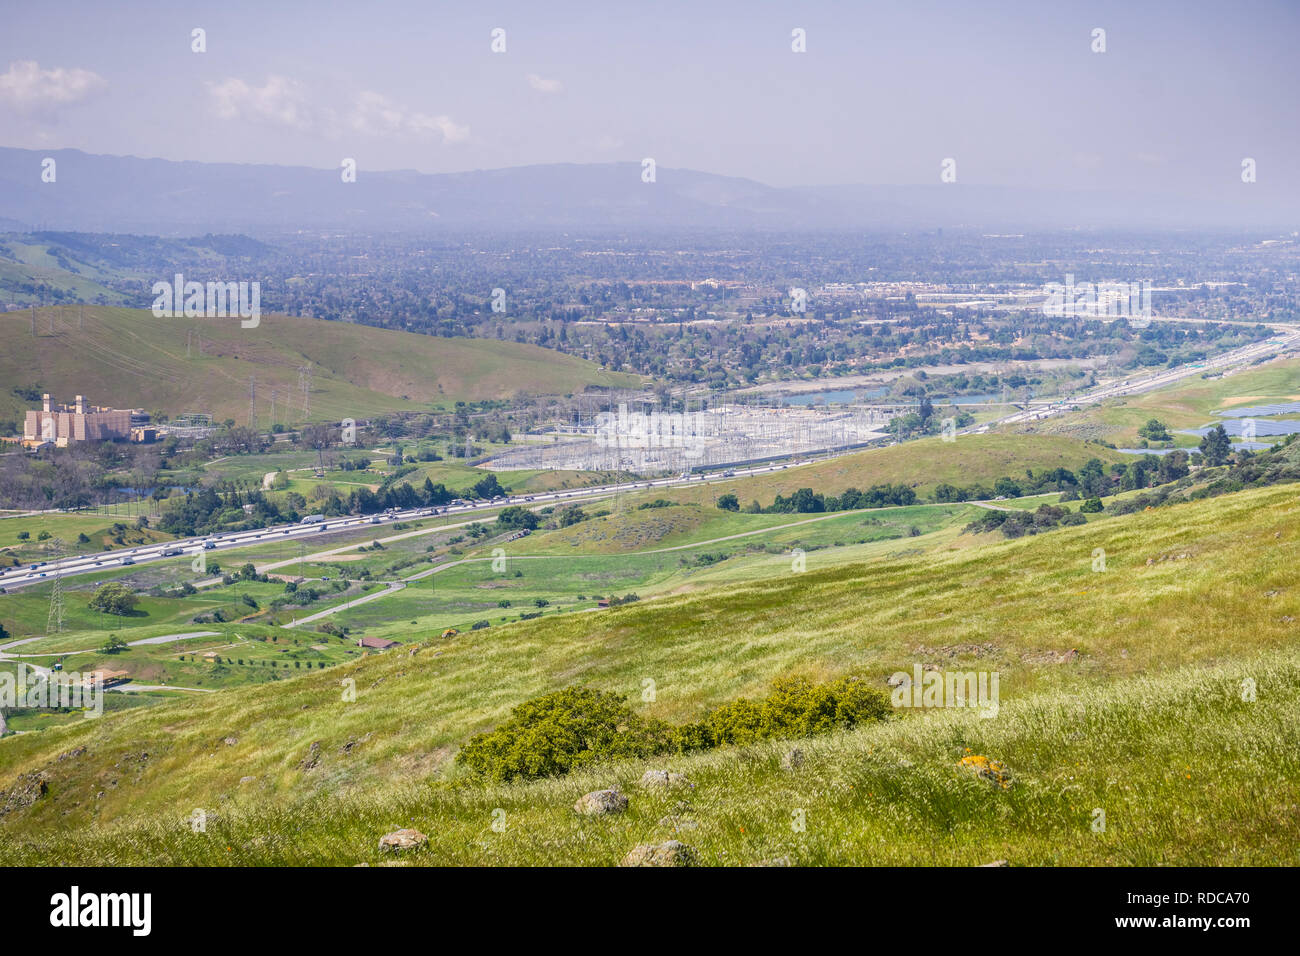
61 425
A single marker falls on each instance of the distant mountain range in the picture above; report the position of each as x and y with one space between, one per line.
97 193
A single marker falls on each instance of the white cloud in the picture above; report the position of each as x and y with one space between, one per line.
278 102
28 88
374 114
542 85
284 102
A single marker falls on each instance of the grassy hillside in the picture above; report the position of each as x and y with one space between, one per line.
29 283
129 358
1189 403
1199 584
1184 771
920 464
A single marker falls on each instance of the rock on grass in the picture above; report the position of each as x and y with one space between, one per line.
671 853
400 840
600 802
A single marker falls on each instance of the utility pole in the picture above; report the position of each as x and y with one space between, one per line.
304 384
252 401
54 623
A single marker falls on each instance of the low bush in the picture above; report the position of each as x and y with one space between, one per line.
555 733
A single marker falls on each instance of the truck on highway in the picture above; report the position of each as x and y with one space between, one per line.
311 519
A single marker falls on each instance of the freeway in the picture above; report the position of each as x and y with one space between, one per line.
41 573
1137 385
14 578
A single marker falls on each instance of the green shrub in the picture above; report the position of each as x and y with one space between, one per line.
553 734
796 707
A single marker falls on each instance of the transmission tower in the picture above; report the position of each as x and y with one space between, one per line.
252 401
273 408
54 623
304 385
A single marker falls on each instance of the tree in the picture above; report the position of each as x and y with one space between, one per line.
1215 446
114 598
113 645
729 502
1173 466
517 518
1154 430
487 487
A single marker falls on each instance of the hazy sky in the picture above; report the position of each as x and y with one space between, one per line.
885 91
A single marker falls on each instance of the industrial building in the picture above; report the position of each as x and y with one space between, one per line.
61 425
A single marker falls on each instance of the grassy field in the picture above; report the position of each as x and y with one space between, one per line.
1189 403
1177 770
1198 585
921 465
129 358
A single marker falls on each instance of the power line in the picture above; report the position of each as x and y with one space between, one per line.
304 384
54 623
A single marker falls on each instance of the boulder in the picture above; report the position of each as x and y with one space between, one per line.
600 802
664 778
671 853
312 758
400 840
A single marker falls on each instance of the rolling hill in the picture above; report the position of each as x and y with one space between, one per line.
162 197
1120 689
920 465
130 358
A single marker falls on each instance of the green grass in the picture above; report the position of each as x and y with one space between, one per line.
129 358
1218 590
920 464
1188 403
1184 770
43 271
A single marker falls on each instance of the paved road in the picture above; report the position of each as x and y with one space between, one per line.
395 586
1136 385
191 548
161 639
